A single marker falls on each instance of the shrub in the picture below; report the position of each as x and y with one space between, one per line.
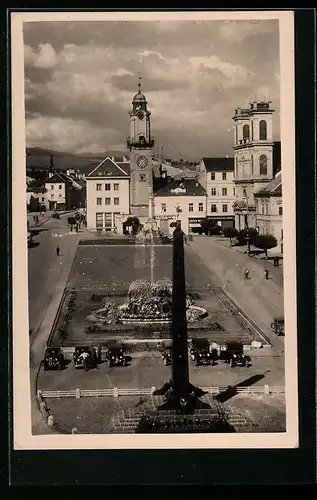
230 232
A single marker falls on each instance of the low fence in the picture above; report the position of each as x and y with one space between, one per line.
116 392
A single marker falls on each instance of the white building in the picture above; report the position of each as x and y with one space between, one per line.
108 195
183 200
220 188
269 211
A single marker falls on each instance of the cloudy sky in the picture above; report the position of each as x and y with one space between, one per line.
80 78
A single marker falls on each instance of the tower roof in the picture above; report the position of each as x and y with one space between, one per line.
139 97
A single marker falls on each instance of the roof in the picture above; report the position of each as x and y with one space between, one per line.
109 168
57 178
273 188
219 164
240 204
186 187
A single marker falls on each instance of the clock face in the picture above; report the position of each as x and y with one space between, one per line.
142 161
140 115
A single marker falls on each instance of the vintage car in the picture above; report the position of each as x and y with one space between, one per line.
115 356
234 355
86 357
277 326
54 358
200 352
167 355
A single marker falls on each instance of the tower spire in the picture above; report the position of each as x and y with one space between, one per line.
139 84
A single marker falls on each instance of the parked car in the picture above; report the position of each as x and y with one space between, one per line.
200 352
277 326
54 358
234 355
115 356
85 357
167 355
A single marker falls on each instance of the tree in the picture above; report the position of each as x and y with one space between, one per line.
205 225
230 232
265 242
34 204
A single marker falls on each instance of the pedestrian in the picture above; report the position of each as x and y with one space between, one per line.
266 272
246 273
57 251
42 213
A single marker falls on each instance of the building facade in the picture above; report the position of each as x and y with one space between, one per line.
253 158
269 211
182 200
108 196
220 188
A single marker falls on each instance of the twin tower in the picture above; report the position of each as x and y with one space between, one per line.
253 151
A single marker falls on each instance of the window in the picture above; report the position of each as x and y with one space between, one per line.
213 191
263 130
99 201
212 176
234 191
60 186
236 134
224 176
59 195
142 177
200 207
107 201
98 187
262 209
267 209
116 201
246 132
252 165
213 208
252 135
107 187
225 208
108 220
280 210
163 207
281 234
191 207
52 186
224 191
116 186
263 165
43 199
52 196
244 193
99 220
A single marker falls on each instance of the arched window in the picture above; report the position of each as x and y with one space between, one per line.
252 135
252 165
246 132
263 130
263 165
244 193
236 134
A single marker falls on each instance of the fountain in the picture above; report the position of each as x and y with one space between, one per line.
148 302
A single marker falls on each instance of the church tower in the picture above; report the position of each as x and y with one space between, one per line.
253 158
140 144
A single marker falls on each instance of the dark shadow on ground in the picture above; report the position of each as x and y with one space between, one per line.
232 390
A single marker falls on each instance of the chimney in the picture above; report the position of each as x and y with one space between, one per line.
112 158
50 174
67 172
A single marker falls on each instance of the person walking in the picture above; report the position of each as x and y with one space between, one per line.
57 251
246 273
266 273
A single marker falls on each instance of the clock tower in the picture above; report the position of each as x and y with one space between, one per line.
140 144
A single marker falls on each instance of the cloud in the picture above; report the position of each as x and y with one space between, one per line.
194 74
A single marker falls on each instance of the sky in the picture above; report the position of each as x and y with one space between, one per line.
80 78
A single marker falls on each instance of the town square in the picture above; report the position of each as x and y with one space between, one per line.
154 208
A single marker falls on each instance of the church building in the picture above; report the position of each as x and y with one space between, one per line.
253 158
